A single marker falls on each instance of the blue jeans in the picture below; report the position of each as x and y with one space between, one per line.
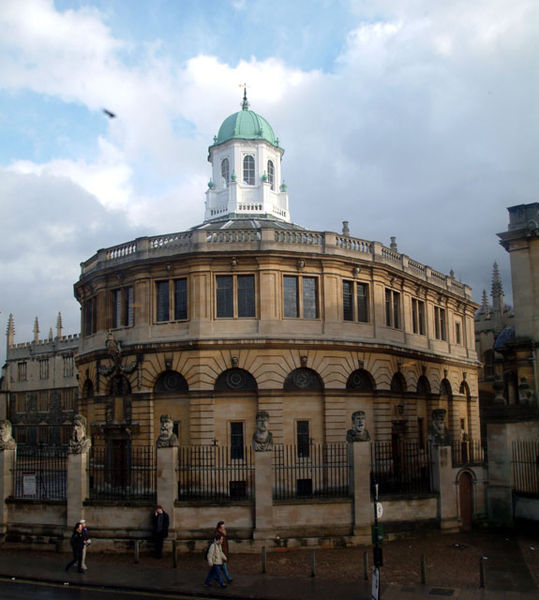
215 573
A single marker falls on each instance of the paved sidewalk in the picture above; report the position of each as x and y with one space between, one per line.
508 578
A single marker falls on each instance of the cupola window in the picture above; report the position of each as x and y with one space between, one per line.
271 174
225 172
249 170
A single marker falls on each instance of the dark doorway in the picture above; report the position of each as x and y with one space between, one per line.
466 500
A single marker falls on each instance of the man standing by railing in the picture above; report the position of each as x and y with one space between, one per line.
160 523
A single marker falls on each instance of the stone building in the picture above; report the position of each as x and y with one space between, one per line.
40 386
221 368
511 415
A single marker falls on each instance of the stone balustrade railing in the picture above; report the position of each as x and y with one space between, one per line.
328 243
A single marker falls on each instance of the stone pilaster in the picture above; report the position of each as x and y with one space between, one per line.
499 491
7 462
263 495
167 483
443 482
360 483
77 488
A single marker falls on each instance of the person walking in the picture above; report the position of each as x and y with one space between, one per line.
87 542
220 528
216 559
77 544
160 523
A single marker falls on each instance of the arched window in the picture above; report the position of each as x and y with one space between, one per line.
398 383
303 379
360 381
88 389
170 382
235 380
445 388
249 170
225 171
423 385
271 174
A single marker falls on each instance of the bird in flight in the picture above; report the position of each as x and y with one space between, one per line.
109 114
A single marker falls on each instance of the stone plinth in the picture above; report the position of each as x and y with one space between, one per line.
7 462
263 495
443 482
77 488
362 507
167 483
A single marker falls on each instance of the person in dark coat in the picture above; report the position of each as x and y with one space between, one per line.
160 522
77 544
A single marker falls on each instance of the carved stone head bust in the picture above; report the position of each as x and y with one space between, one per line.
79 441
438 433
167 437
359 432
262 437
6 439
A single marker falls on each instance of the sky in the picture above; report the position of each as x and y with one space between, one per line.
417 119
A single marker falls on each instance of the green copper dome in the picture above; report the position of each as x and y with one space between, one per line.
245 125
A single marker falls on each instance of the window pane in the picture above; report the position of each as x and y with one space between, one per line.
442 323
128 307
302 438
116 308
162 301
363 302
180 299
271 174
236 440
396 310
436 322
246 296
414 315
347 306
389 322
225 171
225 306
310 298
249 170
290 293
421 315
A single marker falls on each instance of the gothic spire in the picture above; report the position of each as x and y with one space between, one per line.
10 332
59 325
484 304
496 289
36 331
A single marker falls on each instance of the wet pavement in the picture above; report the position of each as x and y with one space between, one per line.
507 578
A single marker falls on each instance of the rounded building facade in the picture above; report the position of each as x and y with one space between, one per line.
249 312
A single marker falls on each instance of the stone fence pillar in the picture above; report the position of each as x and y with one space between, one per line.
443 482
360 490
8 457
499 490
167 483
77 487
263 495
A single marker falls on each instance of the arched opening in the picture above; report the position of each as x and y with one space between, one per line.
423 385
233 380
225 171
466 500
398 383
361 381
88 389
271 174
170 382
303 379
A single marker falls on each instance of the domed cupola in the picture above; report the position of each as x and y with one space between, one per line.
246 169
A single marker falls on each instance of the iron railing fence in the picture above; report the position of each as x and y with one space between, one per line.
311 471
469 452
525 467
401 467
40 473
215 473
129 474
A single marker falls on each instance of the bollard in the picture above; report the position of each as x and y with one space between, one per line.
313 563
174 554
137 551
263 553
482 572
366 566
423 570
